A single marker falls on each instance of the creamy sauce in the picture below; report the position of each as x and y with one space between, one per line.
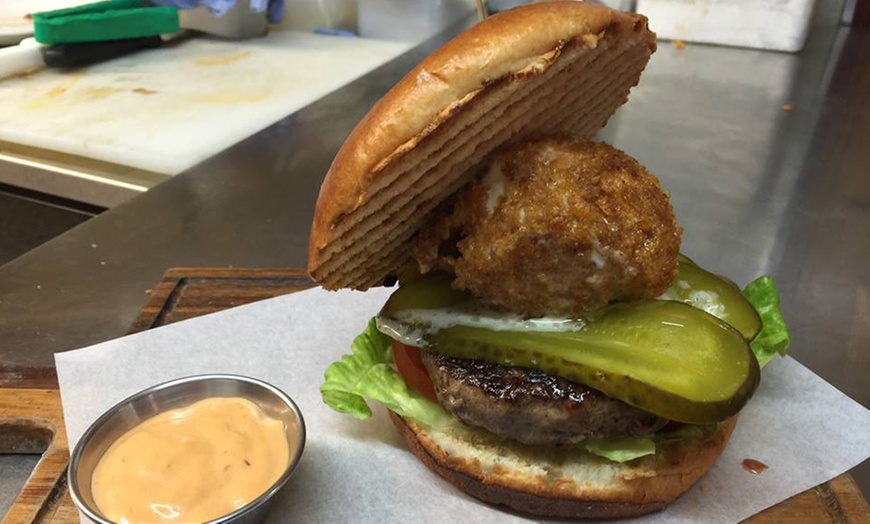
597 258
191 464
494 181
708 301
412 325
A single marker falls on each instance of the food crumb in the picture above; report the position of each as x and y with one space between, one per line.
679 44
93 246
149 291
38 286
787 108
102 262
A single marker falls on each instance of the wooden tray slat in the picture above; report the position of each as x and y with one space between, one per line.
187 293
31 420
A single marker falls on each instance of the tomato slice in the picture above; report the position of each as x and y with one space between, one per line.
409 364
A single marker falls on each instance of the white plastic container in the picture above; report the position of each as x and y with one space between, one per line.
780 25
410 20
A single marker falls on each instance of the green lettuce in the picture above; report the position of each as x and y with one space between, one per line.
622 449
368 372
773 338
630 448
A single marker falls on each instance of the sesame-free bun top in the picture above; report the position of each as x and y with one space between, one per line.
557 68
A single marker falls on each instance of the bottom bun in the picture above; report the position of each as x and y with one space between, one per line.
561 482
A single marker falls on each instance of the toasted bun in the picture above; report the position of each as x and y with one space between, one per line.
541 69
562 483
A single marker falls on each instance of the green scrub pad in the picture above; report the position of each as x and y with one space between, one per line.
102 21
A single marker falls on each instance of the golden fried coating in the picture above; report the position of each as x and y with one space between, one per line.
557 227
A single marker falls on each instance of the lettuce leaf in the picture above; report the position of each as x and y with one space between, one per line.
773 338
630 448
368 372
622 449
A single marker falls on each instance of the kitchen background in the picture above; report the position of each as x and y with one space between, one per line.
74 143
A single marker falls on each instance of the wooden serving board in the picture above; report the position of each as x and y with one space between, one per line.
31 420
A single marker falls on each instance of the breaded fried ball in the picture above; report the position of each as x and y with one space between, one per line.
557 227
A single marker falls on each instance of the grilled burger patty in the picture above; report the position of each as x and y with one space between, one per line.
531 406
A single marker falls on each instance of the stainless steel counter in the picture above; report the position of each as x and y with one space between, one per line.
766 156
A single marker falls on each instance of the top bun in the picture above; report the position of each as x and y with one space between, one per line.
558 68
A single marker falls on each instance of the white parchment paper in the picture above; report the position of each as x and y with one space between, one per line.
805 430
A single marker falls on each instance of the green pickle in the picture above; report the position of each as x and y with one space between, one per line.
720 297
432 291
664 356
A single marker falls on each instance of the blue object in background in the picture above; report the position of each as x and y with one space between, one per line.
334 32
274 8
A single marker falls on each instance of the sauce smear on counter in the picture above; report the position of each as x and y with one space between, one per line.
754 466
191 464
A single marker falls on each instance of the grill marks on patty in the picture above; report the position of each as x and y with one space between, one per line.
531 406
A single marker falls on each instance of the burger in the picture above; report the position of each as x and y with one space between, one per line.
548 348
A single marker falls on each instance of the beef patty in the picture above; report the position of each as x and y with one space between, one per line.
531 406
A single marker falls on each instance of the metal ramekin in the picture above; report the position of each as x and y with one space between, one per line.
176 394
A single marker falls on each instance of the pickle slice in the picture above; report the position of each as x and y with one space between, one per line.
720 297
685 358
667 358
662 356
432 291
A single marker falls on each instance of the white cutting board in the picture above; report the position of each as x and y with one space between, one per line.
167 109
15 24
